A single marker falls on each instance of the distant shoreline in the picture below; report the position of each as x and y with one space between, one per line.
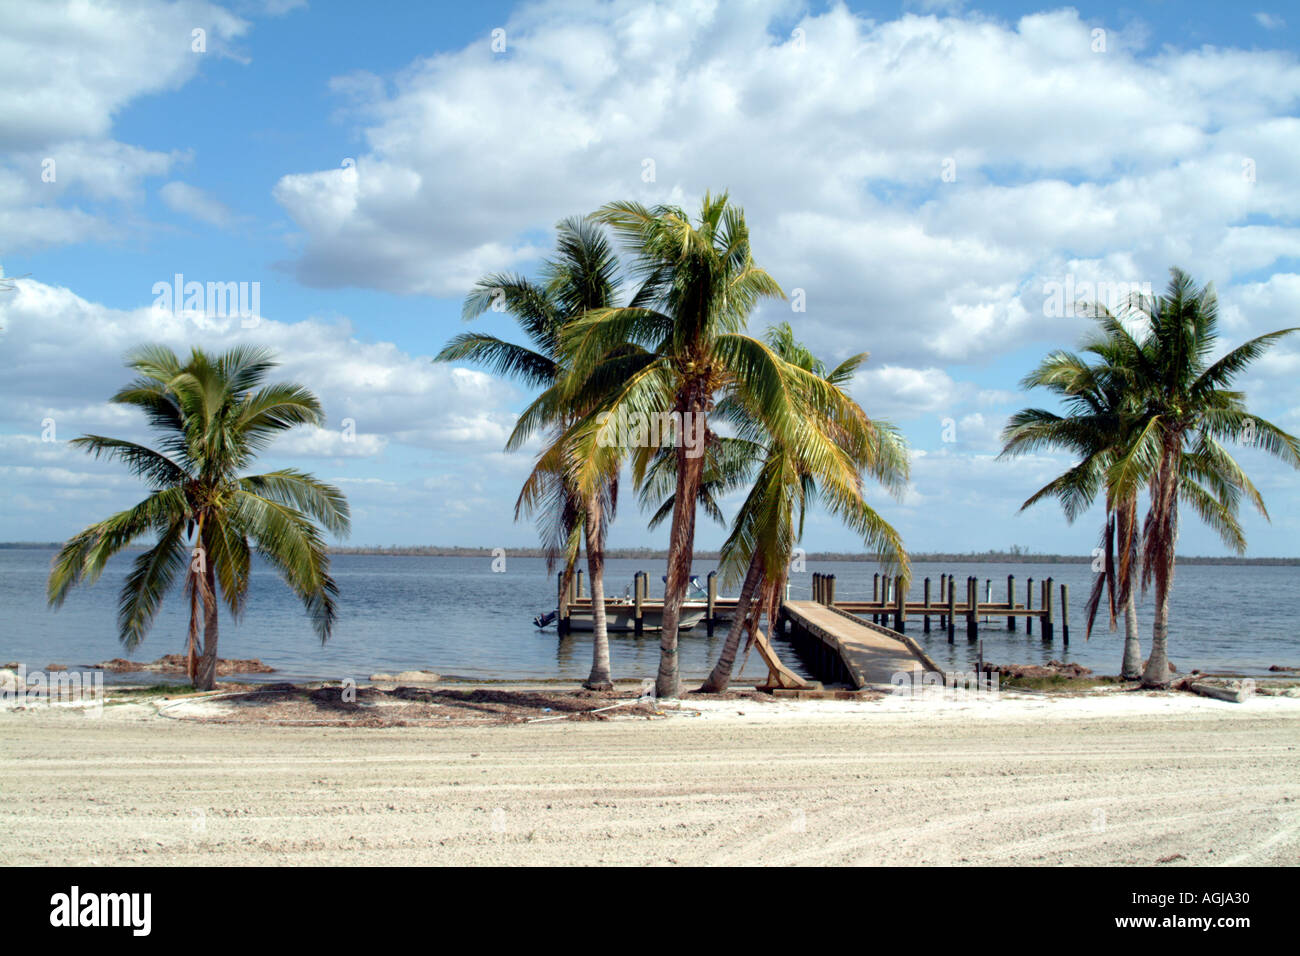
651 554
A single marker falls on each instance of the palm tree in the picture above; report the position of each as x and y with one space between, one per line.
1187 410
213 415
1101 411
765 529
681 346
582 276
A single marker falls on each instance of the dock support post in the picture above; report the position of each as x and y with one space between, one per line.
900 605
577 580
972 608
830 593
943 596
1029 606
988 595
875 595
712 600
640 582
1011 603
952 608
1065 614
927 606
1048 628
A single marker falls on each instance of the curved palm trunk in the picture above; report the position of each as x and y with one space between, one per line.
206 676
599 678
681 548
720 677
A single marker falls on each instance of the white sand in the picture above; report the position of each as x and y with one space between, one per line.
1106 778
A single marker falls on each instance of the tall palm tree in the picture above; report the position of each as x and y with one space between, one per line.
582 276
683 347
1101 409
1187 410
766 529
213 415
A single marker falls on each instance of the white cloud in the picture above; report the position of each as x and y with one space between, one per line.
68 69
1269 21
387 412
844 145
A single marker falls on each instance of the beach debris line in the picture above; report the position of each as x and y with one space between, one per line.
407 677
312 706
179 664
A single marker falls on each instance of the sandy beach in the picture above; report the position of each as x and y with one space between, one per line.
1098 779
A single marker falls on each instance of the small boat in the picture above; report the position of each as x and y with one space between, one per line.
621 616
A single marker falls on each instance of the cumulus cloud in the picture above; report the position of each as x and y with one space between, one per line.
64 359
69 67
912 176
922 180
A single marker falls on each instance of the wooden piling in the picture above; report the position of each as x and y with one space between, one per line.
926 627
972 607
830 591
1011 602
1029 606
1048 627
988 595
952 609
1065 614
943 596
900 605
577 578
640 582
710 614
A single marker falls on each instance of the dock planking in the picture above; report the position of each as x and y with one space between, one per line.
871 655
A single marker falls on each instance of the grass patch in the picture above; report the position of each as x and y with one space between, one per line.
153 689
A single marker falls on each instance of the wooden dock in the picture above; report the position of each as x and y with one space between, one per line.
718 610
889 605
846 649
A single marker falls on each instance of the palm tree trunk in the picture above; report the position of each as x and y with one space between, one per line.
721 675
599 678
1132 667
1157 669
681 549
192 638
1166 529
206 679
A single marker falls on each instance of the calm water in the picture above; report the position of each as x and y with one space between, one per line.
455 616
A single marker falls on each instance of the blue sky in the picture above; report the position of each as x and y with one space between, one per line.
830 124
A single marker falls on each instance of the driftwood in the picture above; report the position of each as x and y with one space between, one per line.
1233 694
